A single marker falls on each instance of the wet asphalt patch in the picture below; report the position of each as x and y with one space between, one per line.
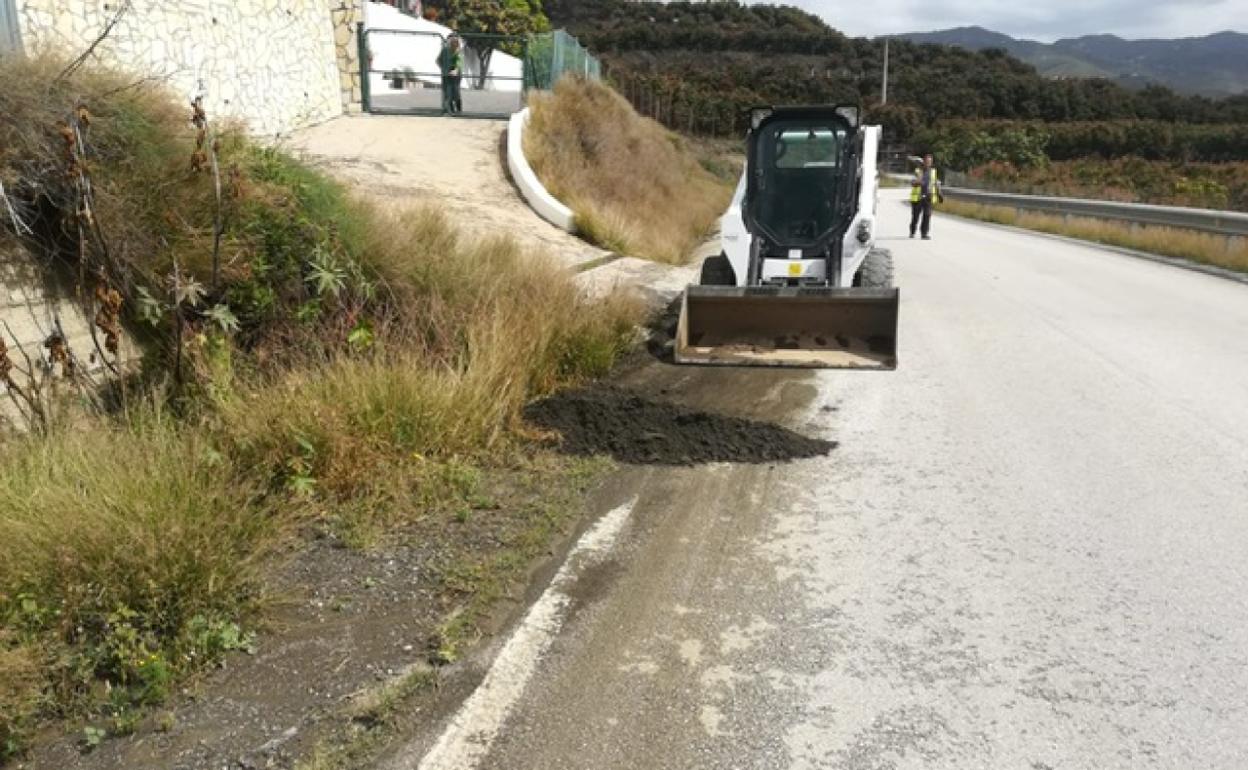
633 429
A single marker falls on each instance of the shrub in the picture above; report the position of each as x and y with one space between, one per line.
1204 185
479 329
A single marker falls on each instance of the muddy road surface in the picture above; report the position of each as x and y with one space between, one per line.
1028 548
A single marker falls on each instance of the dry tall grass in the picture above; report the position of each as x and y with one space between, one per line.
147 201
485 328
117 542
188 526
1167 241
142 527
634 186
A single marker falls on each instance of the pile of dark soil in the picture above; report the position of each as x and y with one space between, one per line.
633 429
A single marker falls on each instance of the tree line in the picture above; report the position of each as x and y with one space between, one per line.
967 144
704 64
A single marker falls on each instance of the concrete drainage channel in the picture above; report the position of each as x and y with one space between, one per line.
594 264
532 190
658 283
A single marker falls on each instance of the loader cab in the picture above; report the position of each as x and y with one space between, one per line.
803 175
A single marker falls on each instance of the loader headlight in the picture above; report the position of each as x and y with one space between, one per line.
864 231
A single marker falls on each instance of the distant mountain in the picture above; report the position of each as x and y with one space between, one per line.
1214 65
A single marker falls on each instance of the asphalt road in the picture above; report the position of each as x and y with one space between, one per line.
1029 551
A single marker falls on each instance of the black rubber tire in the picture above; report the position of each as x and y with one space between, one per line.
876 271
717 271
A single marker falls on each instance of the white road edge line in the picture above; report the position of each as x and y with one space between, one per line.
471 732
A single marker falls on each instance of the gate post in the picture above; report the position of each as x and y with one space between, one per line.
10 28
366 67
525 65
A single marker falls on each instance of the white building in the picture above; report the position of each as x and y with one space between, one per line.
413 51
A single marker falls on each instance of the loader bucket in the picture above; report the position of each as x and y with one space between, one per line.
788 326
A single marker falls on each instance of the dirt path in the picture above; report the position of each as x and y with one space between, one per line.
458 164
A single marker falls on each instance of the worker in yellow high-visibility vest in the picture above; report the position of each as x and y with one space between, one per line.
924 188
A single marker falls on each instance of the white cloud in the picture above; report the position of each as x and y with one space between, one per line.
1036 20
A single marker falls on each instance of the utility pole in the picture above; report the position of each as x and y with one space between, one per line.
884 88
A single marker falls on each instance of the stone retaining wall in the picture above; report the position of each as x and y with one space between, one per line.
278 64
347 16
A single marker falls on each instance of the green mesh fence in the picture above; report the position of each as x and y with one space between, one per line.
551 55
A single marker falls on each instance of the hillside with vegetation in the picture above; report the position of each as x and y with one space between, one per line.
1144 161
723 56
697 67
316 369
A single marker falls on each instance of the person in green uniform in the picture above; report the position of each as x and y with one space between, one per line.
924 189
451 65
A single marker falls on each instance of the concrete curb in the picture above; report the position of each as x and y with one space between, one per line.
531 188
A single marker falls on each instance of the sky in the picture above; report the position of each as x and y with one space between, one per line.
1044 20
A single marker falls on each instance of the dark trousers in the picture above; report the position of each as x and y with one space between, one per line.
921 209
451 101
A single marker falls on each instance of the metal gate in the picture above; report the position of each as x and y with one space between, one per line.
10 33
403 74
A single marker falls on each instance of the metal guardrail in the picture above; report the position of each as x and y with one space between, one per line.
1225 223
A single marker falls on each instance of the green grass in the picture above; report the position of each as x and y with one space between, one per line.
128 550
1216 250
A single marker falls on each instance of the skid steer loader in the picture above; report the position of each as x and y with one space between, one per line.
800 281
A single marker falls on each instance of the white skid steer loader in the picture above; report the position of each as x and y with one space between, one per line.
800 281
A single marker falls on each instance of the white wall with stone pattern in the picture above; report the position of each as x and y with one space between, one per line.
278 64
347 16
